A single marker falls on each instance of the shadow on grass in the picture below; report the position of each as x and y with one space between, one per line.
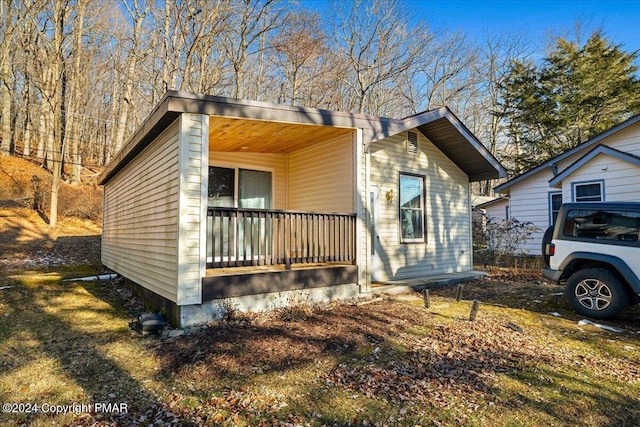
61 329
442 372
388 362
532 293
597 402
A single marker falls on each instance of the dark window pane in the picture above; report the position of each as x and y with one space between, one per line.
221 186
556 202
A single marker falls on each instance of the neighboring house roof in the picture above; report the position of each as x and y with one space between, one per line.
492 202
600 149
478 200
441 126
553 163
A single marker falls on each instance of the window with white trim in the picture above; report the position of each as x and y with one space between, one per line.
588 191
412 212
237 187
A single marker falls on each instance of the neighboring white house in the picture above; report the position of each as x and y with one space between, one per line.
604 168
497 207
218 201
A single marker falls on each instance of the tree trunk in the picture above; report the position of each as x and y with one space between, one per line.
5 78
57 100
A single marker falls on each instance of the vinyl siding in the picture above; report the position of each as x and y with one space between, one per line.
627 140
276 163
530 203
530 197
321 177
140 225
497 209
620 179
448 218
361 201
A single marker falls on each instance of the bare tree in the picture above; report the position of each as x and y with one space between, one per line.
379 46
123 99
49 59
493 66
9 19
247 25
300 57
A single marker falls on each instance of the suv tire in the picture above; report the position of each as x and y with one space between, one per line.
546 239
596 293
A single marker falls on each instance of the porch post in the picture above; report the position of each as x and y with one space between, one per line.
193 140
361 194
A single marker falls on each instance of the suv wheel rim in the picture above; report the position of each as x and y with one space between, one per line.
593 294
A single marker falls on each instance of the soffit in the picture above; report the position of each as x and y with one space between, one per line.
457 147
260 136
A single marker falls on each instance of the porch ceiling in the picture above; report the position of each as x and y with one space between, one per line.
261 136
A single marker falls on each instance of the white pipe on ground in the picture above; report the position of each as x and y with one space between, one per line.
92 278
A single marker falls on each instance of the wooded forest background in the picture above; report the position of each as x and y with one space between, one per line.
78 76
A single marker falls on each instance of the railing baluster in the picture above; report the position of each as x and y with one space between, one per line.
222 248
266 237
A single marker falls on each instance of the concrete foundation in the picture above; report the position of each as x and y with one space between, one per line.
197 314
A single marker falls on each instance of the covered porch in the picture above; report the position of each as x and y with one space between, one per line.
281 207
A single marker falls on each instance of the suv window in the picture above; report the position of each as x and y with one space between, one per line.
600 224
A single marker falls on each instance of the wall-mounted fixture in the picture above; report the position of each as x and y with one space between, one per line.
389 196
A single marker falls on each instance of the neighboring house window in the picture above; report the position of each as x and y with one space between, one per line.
555 200
412 143
411 208
588 192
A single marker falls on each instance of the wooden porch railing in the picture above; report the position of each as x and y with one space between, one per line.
241 237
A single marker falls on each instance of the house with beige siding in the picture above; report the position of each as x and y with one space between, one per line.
603 168
217 202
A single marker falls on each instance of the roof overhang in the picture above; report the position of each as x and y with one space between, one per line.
270 127
556 181
456 142
286 121
492 202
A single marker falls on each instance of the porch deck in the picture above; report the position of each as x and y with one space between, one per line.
254 280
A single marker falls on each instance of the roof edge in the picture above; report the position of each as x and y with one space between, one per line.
429 116
175 103
553 161
599 149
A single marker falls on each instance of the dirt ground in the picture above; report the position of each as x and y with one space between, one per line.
27 241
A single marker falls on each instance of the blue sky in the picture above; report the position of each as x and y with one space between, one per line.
620 19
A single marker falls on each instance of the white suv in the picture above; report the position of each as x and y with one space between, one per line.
594 249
